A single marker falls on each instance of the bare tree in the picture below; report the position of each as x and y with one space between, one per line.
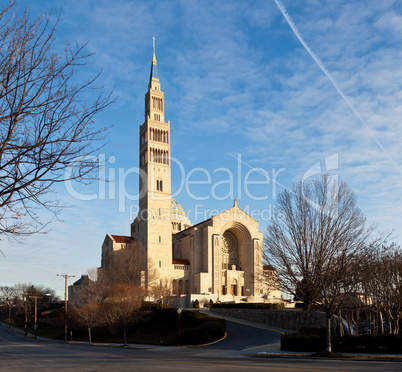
382 285
268 280
47 126
123 307
162 290
317 240
129 266
23 297
7 291
87 309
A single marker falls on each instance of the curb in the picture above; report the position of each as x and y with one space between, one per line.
360 357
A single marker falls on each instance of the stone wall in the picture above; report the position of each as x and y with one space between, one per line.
285 319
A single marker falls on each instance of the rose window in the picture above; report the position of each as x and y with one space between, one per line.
228 242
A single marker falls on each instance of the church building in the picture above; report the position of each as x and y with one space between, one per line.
220 258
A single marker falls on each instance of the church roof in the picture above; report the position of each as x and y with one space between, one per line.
83 280
122 239
179 261
154 72
268 267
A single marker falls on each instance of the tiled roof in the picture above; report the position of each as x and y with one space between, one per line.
154 72
122 239
268 267
179 261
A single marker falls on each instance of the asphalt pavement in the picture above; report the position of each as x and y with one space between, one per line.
20 353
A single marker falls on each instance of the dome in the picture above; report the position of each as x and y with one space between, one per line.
178 214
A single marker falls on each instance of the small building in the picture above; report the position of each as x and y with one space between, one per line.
74 289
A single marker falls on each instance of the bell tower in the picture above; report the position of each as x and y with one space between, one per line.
152 227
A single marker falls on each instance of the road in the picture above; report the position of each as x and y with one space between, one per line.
18 353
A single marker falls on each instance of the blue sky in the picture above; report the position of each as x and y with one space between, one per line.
237 80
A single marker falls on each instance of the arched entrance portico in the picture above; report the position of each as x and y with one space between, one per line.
236 256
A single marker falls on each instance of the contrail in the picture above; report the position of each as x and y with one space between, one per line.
331 79
263 174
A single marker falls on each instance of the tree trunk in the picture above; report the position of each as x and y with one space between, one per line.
328 335
375 328
390 322
382 323
341 333
358 321
89 335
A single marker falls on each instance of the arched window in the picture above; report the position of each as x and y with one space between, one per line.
159 185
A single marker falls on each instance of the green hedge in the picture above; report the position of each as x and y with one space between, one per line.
314 341
268 306
383 344
305 340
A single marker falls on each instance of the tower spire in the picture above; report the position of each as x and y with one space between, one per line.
154 69
153 57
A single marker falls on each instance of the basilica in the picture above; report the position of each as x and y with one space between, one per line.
220 258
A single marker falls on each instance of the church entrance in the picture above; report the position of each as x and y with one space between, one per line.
233 287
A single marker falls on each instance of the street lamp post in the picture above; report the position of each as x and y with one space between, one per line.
179 310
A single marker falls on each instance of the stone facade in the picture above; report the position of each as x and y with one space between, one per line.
114 243
219 257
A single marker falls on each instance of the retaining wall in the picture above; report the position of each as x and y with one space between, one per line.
286 319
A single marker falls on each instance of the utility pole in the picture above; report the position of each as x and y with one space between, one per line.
26 316
65 276
9 312
36 313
